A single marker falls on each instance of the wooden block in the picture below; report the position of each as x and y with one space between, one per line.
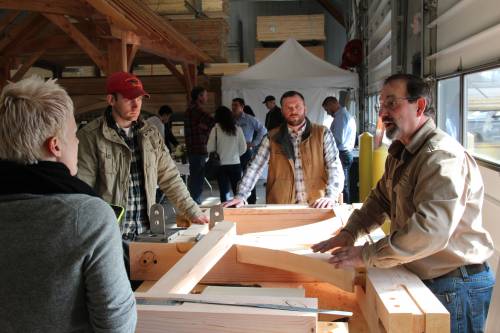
262 52
189 270
300 27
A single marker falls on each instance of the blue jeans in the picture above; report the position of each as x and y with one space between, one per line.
346 160
466 298
196 176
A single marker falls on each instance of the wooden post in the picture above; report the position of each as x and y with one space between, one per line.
117 56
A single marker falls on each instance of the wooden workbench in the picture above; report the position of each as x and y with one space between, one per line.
269 246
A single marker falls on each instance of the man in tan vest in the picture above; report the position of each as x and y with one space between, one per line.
304 164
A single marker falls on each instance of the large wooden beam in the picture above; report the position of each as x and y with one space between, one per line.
270 217
315 265
117 56
131 53
92 51
197 262
61 7
27 65
19 30
171 67
8 18
330 8
113 14
189 317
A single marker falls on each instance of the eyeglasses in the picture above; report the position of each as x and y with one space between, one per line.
392 103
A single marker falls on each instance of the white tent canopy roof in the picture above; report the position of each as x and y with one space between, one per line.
291 65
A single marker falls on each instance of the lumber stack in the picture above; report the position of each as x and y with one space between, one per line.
209 34
309 30
300 27
181 9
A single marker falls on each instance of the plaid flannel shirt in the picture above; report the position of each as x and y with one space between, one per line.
136 218
332 164
197 127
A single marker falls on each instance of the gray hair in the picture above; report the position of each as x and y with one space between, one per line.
31 111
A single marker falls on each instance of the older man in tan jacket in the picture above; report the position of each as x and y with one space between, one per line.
432 192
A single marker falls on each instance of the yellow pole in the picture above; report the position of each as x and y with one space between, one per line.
365 164
379 156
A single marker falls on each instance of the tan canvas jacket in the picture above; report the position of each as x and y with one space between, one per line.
104 163
432 192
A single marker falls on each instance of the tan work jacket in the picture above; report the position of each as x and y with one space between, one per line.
432 192
104 163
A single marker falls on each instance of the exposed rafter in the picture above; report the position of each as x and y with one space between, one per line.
330 8
63 7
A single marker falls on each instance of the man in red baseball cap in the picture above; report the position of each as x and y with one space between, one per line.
125 159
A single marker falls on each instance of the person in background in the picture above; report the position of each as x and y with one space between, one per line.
197 126
304 166
254 132
274 117
344 131
228 140
61 252
124 159
165 114
433 193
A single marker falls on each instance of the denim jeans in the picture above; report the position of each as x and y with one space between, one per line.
196 176
228 178
346 160
466 298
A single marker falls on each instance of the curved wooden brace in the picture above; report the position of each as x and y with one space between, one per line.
314 264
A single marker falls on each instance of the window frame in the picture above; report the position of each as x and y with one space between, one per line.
461 74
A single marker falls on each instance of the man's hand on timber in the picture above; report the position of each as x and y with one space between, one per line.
200 219
347 256
324 203
236 202
340 240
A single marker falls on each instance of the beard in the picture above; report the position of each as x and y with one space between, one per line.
296 121
391 129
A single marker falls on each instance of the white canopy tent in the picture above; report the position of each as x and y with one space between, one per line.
290 67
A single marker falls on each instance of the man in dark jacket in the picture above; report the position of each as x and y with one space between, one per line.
274 117
197 126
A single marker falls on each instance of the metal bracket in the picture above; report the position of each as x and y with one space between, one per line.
157 219
216 215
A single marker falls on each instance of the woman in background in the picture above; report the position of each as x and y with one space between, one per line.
227 139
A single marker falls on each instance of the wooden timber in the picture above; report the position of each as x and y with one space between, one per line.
390 300
300 27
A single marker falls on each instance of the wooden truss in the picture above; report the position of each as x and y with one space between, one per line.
110 32
390 300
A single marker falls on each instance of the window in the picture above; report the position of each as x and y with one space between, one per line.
482 112
448 108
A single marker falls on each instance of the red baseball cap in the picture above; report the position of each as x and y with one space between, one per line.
126 84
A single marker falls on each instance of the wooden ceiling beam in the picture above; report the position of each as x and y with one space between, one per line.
330 8
171 67
36 43
117 56
8 18
62 7
131 53
114 15
27 65
93 52
18 30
